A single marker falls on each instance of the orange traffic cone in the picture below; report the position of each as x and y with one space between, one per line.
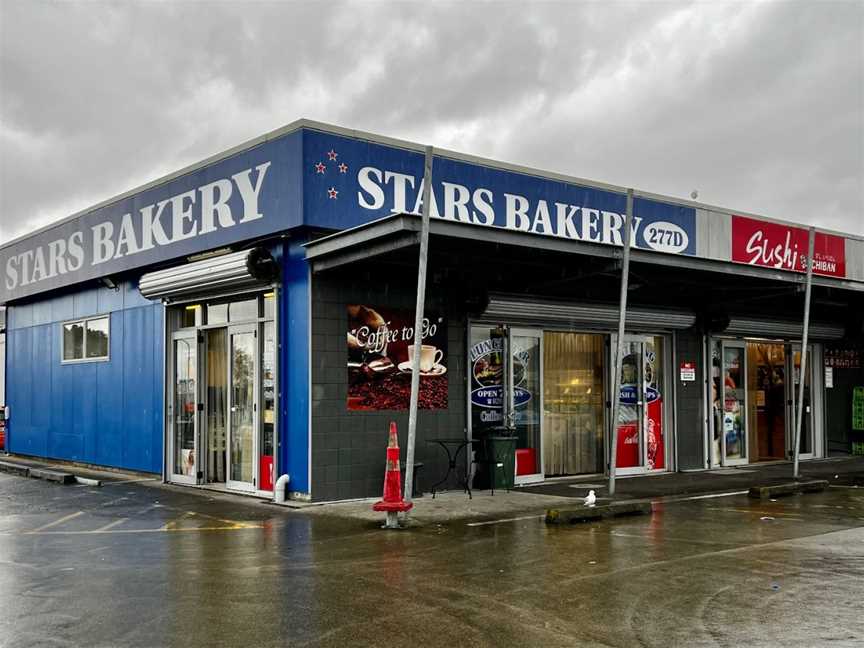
392 501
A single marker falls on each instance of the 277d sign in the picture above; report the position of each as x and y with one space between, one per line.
773 245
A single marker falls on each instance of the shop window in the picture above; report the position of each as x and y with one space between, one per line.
217 313
243 311
190 316
269 305
86 339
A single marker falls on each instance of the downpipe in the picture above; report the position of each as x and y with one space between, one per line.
280 490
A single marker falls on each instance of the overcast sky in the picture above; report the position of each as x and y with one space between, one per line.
759 106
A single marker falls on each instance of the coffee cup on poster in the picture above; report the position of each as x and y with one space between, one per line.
429 356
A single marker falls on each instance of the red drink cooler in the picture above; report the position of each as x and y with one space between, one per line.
265 470
526 461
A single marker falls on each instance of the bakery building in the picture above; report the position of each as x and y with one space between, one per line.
250 317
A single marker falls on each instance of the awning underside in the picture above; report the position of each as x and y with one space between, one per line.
471 263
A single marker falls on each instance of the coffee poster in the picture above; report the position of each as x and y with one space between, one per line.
380 353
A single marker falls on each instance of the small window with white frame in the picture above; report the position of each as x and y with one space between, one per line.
86 339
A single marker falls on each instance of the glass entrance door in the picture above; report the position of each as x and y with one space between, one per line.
767 403
242 406
525 402
184 409
806 449
641 445
733 403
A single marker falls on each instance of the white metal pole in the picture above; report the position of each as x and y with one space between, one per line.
418 325
799 409
619 350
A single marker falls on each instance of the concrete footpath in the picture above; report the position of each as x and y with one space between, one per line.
534 501
519 503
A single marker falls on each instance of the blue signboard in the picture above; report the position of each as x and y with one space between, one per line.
316 178
348 182
250 194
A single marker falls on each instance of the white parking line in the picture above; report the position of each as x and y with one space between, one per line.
713 495
110 525
516 519
128 481
63 519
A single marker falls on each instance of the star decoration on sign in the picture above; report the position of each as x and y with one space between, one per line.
319 168
343 168
331 154
332 193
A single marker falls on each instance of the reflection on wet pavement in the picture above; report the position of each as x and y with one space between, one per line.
150 566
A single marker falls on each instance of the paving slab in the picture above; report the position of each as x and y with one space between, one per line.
449 506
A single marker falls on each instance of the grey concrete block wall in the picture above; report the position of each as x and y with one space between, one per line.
348 447
689 402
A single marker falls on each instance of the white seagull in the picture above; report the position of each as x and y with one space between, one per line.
591 499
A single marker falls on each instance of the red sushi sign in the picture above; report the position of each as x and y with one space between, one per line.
773 245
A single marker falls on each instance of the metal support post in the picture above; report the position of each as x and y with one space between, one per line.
619 350
799 406
418 326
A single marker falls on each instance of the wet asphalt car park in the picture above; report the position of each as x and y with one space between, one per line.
141 564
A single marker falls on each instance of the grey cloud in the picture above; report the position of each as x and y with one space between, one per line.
759 106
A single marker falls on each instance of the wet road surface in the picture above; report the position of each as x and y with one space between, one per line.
142 565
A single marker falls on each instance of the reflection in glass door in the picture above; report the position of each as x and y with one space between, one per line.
184 408
267 441
641 444
525 401
805 450
630 452
216 404
733 398
242 435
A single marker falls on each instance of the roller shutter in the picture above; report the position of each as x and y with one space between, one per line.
781 329
535 310
232 272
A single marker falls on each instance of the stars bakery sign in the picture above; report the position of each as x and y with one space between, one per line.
348 182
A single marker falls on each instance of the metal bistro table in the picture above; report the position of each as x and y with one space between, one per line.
459 444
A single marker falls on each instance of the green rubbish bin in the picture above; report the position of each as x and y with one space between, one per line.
501 461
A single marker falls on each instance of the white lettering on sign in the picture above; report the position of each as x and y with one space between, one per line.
782 255
145 229
688 372
380 188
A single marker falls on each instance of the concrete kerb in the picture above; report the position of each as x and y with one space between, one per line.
47 473
52 476
789 488
575 514
14 469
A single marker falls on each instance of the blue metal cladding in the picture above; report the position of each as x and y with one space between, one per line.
294 368
107 413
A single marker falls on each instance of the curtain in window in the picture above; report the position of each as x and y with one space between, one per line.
573 403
